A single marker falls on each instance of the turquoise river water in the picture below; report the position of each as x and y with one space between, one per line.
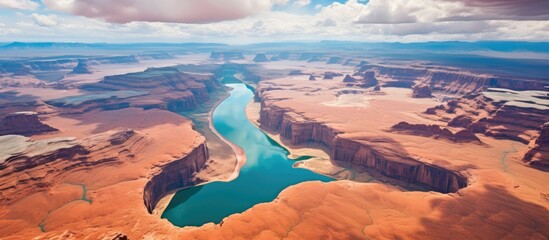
266 173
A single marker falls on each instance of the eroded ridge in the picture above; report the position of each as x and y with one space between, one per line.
175 175
379 154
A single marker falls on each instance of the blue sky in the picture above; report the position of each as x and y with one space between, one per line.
245 21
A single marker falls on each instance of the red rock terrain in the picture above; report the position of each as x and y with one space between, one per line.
148 155
448 80
358 134
23 123
99 177
436 132
168 88
421 92
538 155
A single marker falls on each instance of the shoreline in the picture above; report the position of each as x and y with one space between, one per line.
237 151
320 161
252 113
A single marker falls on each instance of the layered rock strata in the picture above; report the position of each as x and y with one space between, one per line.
421 92
379 156
174 176
450 81
349 79
23 123
538 155
81 68
29 166
168 87
481 114
369 79
436 131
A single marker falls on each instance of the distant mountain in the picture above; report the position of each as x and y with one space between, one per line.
45 45
500 46
64 45
457 46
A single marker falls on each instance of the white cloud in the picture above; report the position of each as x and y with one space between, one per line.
303 2
177 11
45 20
376 20
19 4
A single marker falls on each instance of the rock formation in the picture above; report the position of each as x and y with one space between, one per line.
174 176
81 68
331 75
538 155
379 156
33 164
349 79
168 88
312 78
436 132
496 119
450 81
421 92
462 121
369 79
260 57
23 123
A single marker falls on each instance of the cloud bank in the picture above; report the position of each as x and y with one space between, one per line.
19 4
175 11
245 21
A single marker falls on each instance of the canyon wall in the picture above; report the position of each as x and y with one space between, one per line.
436 131
450 81
28 166
389 162
378 155
538 155
23 123
174 176
168 88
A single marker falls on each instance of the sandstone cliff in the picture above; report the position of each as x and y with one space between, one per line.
498 119
349 79
369 79
421 92
381 156
81 68
538 155
175 176
168 88
446 80
23 123
28 166
436 131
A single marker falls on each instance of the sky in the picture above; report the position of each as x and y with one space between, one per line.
249 21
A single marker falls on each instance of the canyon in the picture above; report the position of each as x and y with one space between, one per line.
369 148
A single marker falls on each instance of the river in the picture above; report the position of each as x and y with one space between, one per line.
265 174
